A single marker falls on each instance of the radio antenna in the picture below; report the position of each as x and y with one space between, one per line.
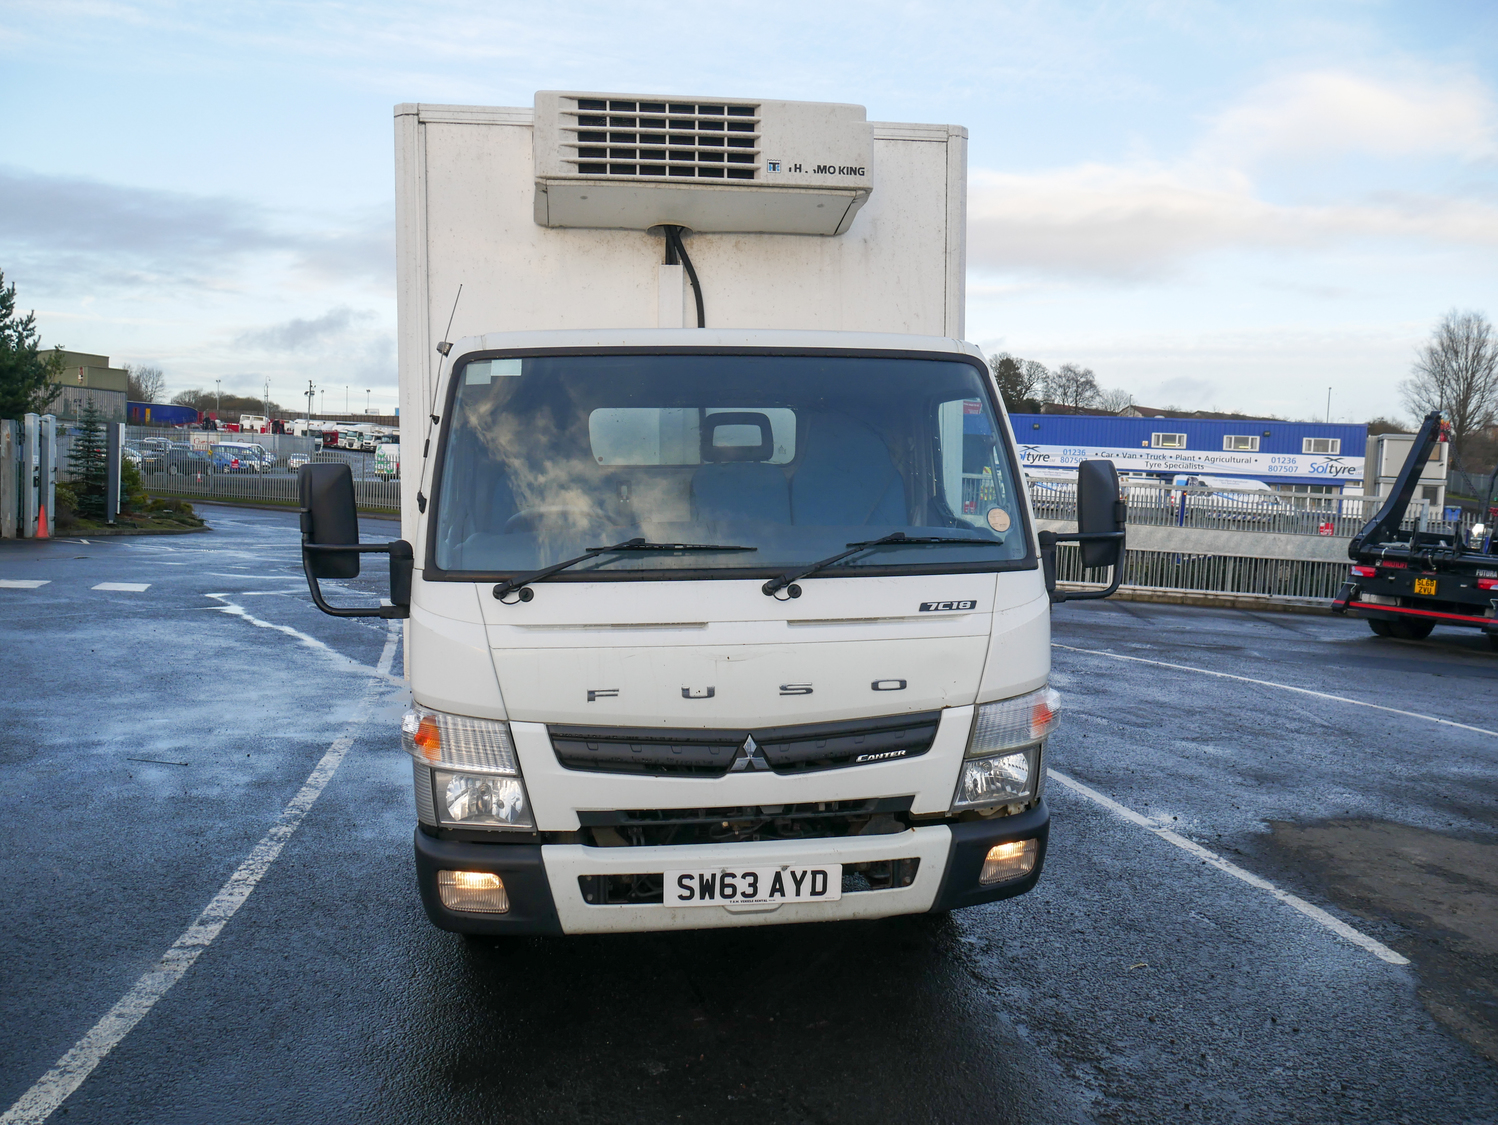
442 349
445 346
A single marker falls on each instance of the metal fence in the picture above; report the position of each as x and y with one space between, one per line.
170 466
1472 485
1214 574
1223 509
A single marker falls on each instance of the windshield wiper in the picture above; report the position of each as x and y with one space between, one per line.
521 582
788 582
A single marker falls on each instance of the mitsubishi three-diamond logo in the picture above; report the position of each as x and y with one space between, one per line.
749 757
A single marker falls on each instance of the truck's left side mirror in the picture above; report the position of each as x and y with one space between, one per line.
1101 518
1100 511
330 518
330 540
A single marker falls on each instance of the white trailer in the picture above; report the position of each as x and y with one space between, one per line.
724 601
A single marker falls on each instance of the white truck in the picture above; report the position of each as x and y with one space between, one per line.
723 601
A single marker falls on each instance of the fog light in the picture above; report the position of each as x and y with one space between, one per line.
1009 861
480 891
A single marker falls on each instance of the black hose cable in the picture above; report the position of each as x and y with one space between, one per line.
674 243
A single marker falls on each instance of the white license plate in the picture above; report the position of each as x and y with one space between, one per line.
753 886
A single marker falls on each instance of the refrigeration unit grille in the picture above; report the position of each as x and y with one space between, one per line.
660 139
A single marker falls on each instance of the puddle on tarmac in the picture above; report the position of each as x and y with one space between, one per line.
1443 890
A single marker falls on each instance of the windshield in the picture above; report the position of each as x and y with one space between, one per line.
795 456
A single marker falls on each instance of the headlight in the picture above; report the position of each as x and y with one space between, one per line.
1003 779
481 800
1005 754
476 780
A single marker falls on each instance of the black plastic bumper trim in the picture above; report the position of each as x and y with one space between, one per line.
971 841
532 910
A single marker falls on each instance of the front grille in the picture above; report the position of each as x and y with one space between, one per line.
812 820
712 753
666 139
645 888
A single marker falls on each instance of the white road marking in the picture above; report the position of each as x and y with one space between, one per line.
22 583
347 662
54 1087
1336 925
124 587
1282 687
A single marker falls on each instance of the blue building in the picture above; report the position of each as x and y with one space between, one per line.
1311 459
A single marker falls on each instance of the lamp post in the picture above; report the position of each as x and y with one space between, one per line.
218 406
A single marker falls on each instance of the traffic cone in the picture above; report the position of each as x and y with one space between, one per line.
41 523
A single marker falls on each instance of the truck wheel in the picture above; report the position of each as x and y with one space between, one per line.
1410 630
1380 628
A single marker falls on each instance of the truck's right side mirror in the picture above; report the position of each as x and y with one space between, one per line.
1100 510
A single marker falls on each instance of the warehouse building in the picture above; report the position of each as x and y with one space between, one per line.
89 378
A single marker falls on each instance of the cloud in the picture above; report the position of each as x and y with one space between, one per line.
1128 222
1147 219
304 335
68 229
1328 113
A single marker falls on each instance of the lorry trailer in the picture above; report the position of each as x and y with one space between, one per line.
1405 581
723 600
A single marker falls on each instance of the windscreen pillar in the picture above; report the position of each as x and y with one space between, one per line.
671 297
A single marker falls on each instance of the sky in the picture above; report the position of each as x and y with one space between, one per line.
1214 206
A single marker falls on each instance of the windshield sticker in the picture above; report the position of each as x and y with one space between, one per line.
482 372
998 519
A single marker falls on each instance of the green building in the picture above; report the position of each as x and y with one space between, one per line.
86 377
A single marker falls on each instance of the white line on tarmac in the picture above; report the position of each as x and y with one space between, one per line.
22 583
53 1088
123 587
1336 925
348 662
1282 687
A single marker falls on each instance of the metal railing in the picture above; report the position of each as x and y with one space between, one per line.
169 466
1213 574
1223 509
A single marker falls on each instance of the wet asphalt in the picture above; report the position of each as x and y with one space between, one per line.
1135 984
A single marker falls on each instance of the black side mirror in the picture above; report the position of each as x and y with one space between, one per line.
330 517
1100 511
330 541
1101 522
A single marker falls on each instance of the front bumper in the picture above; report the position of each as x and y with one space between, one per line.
545 898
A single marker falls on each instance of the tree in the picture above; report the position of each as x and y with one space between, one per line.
143 384
1073 386
1382 425
1115 401
1457 373
88 462
1020 382
26 374
231 406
